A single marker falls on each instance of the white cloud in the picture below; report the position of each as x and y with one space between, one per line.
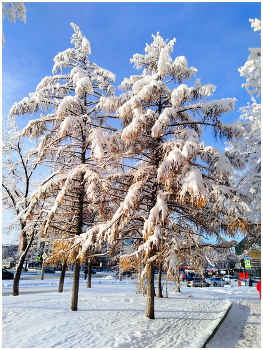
19 78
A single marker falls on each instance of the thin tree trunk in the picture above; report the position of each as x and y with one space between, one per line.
42 270
150 293
166 286
18 274
62 278
75 287
178 282
89 275
26 246
160 289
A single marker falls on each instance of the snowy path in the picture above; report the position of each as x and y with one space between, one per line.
242 326
112 315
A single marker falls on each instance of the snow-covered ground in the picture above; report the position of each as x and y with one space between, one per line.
112 315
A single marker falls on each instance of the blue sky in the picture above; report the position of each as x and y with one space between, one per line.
213 36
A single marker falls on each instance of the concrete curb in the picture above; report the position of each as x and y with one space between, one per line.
216 328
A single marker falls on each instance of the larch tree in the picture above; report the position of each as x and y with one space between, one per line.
249 148
175 192
13 11
18 172
68 124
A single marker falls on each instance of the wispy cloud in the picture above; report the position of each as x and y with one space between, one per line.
18 78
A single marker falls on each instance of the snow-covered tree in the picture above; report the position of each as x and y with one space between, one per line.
12 10
175 189
68 124
249 180
18 168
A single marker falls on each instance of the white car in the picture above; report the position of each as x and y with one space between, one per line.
256 279
217 282
230 278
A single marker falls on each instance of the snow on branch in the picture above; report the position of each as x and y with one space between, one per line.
108 104
227 200
193 184
215 108
252 68
180 69
171 163
68 124
255 23
157 215
215 158
81 81
65 106
169 113
183 93
140 122
100 142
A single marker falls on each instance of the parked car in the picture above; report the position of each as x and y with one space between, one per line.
230 278
7 275
256 279
191 275
156 271
125 273
253 281
92 272
48 270
217 281
198 282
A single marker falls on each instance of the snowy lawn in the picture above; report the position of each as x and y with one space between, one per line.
112 315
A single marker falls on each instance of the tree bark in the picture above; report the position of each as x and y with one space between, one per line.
18 274
62 278
42 271
150 292
89 275
75 287
160 289
178 282
26 245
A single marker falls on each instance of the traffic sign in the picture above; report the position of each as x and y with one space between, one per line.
44 256
247 263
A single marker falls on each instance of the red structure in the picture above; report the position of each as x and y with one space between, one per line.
258 286
243 275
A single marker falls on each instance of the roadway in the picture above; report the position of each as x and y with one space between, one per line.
34 275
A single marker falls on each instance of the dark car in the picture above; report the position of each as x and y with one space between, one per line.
7 275
198 282
125 273
91 271
191 276
48 270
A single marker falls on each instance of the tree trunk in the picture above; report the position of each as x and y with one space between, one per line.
75 287
62 277
26 246
18 274
178 282
160 289
150 293
89 275
42 270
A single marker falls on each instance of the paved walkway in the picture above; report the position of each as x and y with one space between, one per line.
241 327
